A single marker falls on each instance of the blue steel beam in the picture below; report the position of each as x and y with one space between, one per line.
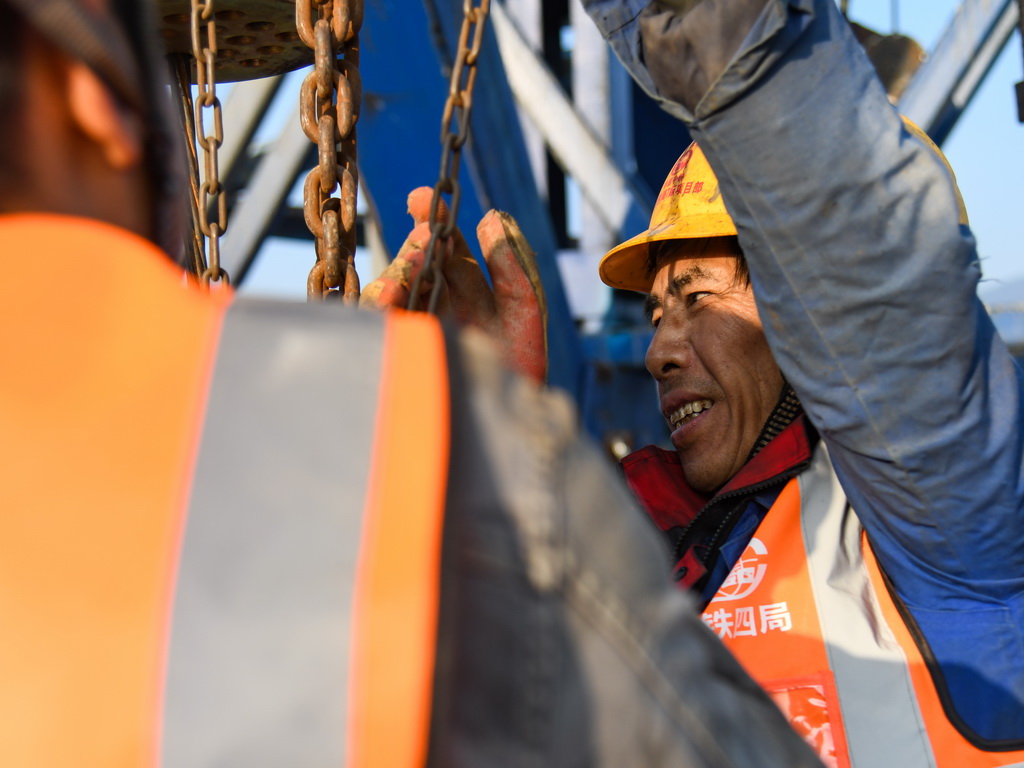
407 50
941 89
616 197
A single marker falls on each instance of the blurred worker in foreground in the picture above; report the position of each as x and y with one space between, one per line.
844 224
247 533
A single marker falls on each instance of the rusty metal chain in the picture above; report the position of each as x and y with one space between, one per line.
458 106
211 193
329 102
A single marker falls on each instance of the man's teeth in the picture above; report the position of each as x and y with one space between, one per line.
688 411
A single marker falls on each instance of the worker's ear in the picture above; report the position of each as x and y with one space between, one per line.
116 131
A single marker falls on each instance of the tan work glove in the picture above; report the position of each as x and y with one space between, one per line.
514 313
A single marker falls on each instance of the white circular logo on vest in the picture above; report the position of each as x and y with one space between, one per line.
747 573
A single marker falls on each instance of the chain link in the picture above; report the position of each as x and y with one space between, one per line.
211 193
457 107
329 102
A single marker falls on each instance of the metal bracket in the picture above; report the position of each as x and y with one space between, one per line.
257 38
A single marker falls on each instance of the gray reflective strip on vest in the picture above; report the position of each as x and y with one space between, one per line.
883 723
260 635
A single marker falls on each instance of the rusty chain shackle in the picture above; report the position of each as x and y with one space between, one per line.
211 192
329 103
458 105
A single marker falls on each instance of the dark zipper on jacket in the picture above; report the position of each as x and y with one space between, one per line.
749 490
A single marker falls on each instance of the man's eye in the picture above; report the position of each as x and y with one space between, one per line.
655 319
695 296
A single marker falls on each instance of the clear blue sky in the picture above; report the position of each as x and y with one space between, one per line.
986 148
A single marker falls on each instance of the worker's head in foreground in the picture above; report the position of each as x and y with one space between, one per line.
718 382
85 131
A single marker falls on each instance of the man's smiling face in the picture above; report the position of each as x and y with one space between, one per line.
717 379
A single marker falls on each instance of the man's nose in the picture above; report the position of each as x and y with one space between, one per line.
668 350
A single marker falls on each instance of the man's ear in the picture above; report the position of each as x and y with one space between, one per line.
115 130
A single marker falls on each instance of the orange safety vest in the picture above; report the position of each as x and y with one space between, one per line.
817 628
157 444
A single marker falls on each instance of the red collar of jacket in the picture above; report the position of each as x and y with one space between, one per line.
656 478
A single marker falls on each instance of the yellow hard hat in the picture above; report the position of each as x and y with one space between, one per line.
690 206
927 141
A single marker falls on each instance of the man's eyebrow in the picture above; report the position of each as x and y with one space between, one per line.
675 287
677 283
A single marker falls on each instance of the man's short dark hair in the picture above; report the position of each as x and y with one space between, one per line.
144 89
130 15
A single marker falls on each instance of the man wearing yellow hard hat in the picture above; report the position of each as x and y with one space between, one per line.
844 497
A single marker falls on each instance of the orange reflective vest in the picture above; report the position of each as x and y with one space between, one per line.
155 443
816 626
